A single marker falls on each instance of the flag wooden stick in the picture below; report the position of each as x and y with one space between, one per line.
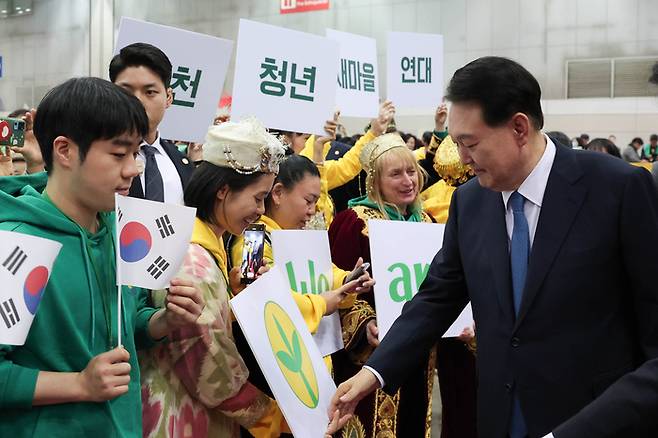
118 268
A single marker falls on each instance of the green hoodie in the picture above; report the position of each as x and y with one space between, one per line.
70 326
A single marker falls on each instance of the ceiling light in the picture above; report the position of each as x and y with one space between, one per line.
28 10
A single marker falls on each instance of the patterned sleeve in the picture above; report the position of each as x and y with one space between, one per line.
205 357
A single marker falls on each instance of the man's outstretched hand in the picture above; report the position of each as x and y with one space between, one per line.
351 392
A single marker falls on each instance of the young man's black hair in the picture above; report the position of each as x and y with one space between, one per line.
86 110
501 87
142 54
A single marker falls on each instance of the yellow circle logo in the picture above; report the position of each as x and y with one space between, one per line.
291 354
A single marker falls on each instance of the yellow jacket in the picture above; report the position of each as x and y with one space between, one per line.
436 200
420 154
335 173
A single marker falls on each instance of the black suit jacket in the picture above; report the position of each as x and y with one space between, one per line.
182 163
579 355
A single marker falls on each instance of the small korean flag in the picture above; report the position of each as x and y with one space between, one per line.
153 239
25 266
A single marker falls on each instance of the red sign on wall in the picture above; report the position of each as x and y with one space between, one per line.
292 6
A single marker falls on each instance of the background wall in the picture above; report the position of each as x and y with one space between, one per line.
42 49
67 37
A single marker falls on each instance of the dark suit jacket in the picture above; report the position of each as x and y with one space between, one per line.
589 316
183 166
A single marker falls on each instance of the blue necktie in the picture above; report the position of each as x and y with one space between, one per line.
154 186
520 249
519 254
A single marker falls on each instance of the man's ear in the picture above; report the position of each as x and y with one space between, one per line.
65 152
170 97
521 125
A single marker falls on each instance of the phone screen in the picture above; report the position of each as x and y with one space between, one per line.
12 132
252 253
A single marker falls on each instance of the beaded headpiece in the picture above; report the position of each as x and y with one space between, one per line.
448 165
375 149
244 146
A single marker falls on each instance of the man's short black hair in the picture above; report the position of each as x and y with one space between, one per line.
653 137
654 74
142 54
86 110
501 87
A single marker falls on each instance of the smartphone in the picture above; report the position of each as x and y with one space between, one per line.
12 132
252 252
357 272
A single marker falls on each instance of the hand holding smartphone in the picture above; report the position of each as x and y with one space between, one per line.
252 252
357 272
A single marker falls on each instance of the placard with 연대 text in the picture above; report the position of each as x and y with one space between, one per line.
414 73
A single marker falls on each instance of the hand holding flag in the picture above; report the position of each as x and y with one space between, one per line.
183 306
106 376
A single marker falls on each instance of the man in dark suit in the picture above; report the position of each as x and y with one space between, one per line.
544 244
145 71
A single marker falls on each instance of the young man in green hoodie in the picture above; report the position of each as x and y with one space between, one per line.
70 379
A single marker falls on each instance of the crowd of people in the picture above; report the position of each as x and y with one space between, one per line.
539 237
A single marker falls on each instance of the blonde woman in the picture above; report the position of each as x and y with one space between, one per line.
393 184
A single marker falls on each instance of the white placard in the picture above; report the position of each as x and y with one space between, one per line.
286 353
401 254
26 264
199 68
357 92
285 78
414 73
305 257
153 239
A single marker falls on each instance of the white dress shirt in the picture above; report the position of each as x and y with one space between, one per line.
532 189
173 187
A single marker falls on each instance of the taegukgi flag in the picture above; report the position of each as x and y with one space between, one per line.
153 239
25 266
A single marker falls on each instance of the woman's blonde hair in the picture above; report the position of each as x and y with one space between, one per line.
394 155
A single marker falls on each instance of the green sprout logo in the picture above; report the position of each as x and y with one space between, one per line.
291 354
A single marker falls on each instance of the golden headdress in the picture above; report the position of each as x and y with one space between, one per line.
448 165
375 149
244 146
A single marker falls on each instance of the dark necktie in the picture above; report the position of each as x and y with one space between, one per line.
153 184
519 254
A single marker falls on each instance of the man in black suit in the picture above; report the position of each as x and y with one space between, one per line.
145 71
544 244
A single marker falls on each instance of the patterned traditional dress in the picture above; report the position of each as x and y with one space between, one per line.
195 383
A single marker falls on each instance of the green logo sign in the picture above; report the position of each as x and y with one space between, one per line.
401 289
317 285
